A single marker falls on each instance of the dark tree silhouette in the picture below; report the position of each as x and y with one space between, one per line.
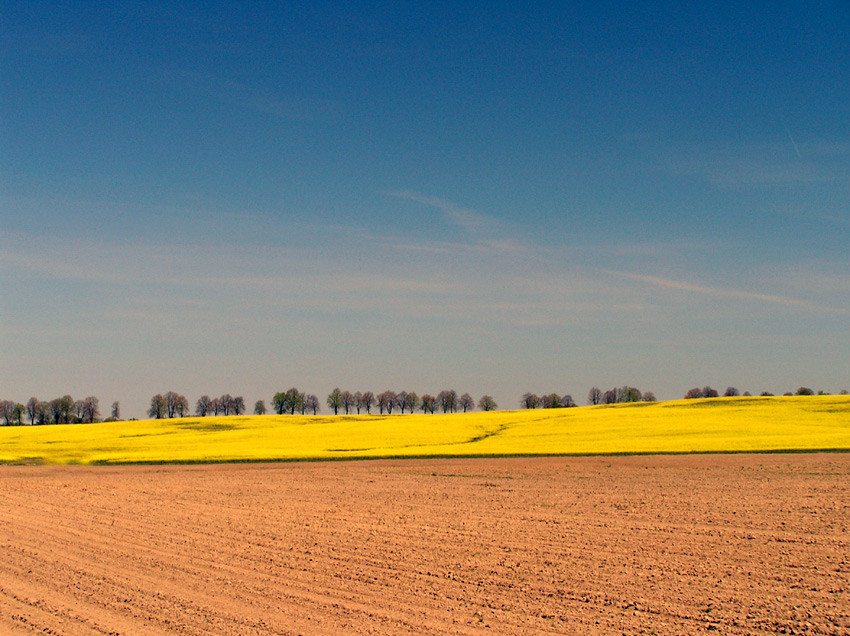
157 409
33 406
279 402
335 400
347 399
91 409
529 401
411 401
466 402
203 406
487 403
311 403
368 400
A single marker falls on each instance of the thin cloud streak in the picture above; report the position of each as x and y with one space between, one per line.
484 231
667 283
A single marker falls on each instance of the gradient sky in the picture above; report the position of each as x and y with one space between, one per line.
214 197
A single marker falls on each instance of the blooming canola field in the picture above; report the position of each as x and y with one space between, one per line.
743 424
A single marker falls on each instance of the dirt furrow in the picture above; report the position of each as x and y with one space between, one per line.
735 544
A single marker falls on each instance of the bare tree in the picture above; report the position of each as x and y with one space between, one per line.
411 401
55 407
427 403
594 396
311 403
609 397
731 391
157 409
529 401
466 403
368 400
171 399
649 396
358 401
384 401
259 407
182 406
347 400
392 401
43 416
226 402
91 409
335 400
400 401
693 394
448 400
567 401
487 403
32 407
13 412
116 411
203 406
238 405
551 401
7 410
804 391
708 392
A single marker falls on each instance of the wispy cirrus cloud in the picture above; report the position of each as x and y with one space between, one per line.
779 163
483 230
705 290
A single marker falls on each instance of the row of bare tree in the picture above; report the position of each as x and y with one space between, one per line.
731 391
175 405
618 395
64 410
346 402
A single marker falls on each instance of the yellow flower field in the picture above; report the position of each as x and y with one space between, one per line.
715 425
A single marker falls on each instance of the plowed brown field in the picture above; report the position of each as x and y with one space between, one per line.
637 545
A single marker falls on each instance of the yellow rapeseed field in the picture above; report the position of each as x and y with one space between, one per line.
750 424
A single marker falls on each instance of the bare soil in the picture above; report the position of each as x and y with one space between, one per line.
730 544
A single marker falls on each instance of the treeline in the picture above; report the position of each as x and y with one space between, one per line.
294 401
731 391
618 395
64 410
348 403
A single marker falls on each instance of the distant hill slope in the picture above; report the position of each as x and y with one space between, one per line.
741 424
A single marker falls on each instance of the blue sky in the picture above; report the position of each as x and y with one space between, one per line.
492 197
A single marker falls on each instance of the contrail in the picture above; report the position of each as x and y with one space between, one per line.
793 143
